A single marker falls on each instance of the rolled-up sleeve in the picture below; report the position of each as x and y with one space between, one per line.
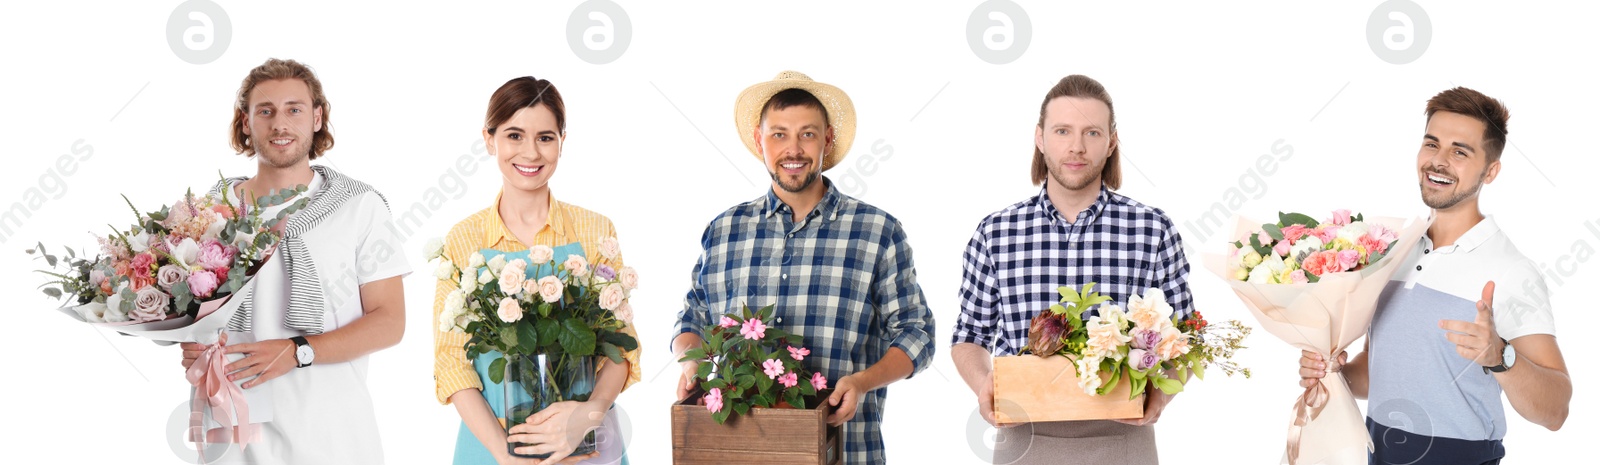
692 318
1172 269
452 372
978 316
908 322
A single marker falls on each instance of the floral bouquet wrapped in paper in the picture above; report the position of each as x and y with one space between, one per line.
755 397
178 274
544 323
1146 343
1315 285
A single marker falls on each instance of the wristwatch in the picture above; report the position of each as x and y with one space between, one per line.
1508 357
303 355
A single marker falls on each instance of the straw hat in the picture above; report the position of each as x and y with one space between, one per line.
841 113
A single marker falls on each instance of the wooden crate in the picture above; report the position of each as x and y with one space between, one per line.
771 436
1029 388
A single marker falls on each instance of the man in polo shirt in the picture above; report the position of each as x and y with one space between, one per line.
838 270
1075 231
1437 355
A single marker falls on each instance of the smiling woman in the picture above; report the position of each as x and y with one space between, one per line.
524 131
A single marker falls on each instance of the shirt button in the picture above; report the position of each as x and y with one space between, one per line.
780 319
1419 267
1425 251
786 276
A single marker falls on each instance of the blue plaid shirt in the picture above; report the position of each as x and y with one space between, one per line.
1020 255
842 278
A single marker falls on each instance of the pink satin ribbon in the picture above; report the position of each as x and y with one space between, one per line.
1306 408
209 376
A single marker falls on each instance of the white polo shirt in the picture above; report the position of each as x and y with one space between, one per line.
1418 383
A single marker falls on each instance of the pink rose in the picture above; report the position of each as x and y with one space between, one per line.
1298 277
510 311
550 289
540 255
818 381
141 280
1383 233
611 297
150 304
753 329
772 368
214 255
1328 232
714 400
1294 232
1282 249
1144 338
169 275
1141 359
609 248
727 322
799 353
201 285
1340 217
1372 244
512 275
624 312
1348 259
789 380
1263 237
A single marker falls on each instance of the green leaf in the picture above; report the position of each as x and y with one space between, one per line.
1199 370
1138 387
508 335
1274 231
763 383
1169 386
549 331
704 372
697 353
742 408
1116 376
1058 309
544 310
721 416
1287 219
53 292
621 340
576 337
527 334
611 352
497 370
744 381
1068 294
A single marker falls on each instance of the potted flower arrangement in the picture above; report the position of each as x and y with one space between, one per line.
755 398
1099 366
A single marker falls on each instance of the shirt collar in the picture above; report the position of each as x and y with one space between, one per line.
828 206
1478 235
495 231
1089 215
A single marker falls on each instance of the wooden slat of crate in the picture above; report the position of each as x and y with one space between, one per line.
776 436
1029 388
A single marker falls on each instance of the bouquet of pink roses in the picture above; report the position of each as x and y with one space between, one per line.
179 274
1315 285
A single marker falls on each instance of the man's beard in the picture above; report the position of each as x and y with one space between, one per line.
805 182
1450 202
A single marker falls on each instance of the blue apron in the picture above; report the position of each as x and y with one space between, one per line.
470 451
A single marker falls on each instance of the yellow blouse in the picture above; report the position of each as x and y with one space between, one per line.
568 223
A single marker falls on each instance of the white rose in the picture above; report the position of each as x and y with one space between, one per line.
498 262
445 271
1262 274
628 277
433 249
1352 232
476 260
469 281
611 297
540 254
510 311
485 277
168 275
624 312
186 253
609 248
550 289
1305 245
455 302
511 277
576 265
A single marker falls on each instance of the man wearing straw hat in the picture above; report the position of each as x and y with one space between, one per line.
1075 231
1466 318
838 270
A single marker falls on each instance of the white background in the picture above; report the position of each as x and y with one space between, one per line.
1202 90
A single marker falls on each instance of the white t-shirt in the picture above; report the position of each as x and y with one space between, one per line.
323 413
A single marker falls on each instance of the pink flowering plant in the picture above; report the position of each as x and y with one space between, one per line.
169 262
1300 250
1141 342
744 364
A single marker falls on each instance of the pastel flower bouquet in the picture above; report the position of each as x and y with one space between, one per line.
1315 285
1146 343
744 364
544 334
755 397
179 274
